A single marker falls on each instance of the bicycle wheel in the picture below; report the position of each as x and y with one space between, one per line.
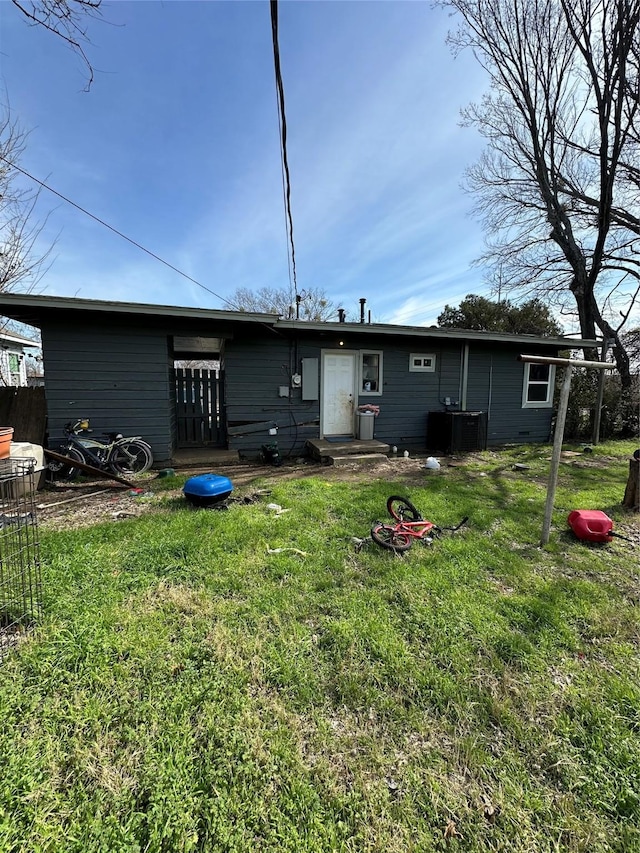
62 470
131 457
386 536
402 509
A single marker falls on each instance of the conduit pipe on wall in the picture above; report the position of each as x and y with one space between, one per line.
464 378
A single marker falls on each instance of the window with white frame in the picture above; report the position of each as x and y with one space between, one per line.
420 362
537 392
14 368
370 372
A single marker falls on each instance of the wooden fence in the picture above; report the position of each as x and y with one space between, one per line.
24 409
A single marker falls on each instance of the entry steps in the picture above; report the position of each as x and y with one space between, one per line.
348 451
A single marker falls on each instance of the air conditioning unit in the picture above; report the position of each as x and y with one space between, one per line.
457 432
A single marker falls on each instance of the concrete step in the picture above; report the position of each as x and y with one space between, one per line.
357 459
324 450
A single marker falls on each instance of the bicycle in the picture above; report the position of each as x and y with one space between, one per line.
409 526
120 455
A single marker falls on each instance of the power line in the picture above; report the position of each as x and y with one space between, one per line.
283 133
284 200
115 231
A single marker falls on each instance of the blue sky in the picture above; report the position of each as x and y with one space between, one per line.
176 145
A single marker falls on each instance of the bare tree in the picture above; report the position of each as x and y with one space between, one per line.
557 187
21 262
631 340
66 19
313 304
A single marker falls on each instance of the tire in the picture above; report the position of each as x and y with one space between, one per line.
61 470
131 457
402 509
385 535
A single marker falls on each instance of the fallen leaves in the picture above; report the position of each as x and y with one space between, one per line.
451 830
489 810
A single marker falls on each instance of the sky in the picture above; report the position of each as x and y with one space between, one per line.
176 144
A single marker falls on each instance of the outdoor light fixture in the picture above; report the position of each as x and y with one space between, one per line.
341 343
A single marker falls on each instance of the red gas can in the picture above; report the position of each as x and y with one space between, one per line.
591 524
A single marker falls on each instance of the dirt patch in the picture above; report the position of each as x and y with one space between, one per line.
64 506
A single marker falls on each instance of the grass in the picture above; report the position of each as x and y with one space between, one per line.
187 690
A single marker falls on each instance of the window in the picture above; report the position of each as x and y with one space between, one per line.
371 373
14 368
422 362
538 386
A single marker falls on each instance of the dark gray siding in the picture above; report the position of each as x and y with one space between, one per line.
479 377
495 385
508 421
118 377
408 397
254 369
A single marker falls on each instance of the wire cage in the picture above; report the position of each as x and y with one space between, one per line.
20 579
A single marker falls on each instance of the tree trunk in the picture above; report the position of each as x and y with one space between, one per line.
631 499
620 355
585 306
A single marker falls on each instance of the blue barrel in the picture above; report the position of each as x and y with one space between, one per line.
205 489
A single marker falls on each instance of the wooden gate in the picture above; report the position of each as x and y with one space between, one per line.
200 407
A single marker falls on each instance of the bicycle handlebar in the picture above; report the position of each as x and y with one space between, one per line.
81 425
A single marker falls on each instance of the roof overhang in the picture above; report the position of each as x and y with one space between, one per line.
345 329
35 310
18 340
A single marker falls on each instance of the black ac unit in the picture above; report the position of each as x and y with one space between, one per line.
457 432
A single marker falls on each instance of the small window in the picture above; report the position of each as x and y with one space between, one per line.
370 373
538 386
14 368
422 362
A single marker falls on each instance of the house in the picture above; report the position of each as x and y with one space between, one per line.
286 380
13 363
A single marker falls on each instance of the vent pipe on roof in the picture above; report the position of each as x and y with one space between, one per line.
341 313
362 304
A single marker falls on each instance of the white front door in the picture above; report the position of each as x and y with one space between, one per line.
338 393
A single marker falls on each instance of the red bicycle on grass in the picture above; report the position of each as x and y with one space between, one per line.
409 525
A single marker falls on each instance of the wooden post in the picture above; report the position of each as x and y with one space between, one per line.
98 472
631 499
557 450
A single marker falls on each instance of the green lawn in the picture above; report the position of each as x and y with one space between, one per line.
189 691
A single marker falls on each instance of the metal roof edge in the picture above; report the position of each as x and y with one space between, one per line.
437 332
72 303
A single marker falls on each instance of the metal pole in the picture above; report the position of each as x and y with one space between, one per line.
557 449
568 364
595 435
575 362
